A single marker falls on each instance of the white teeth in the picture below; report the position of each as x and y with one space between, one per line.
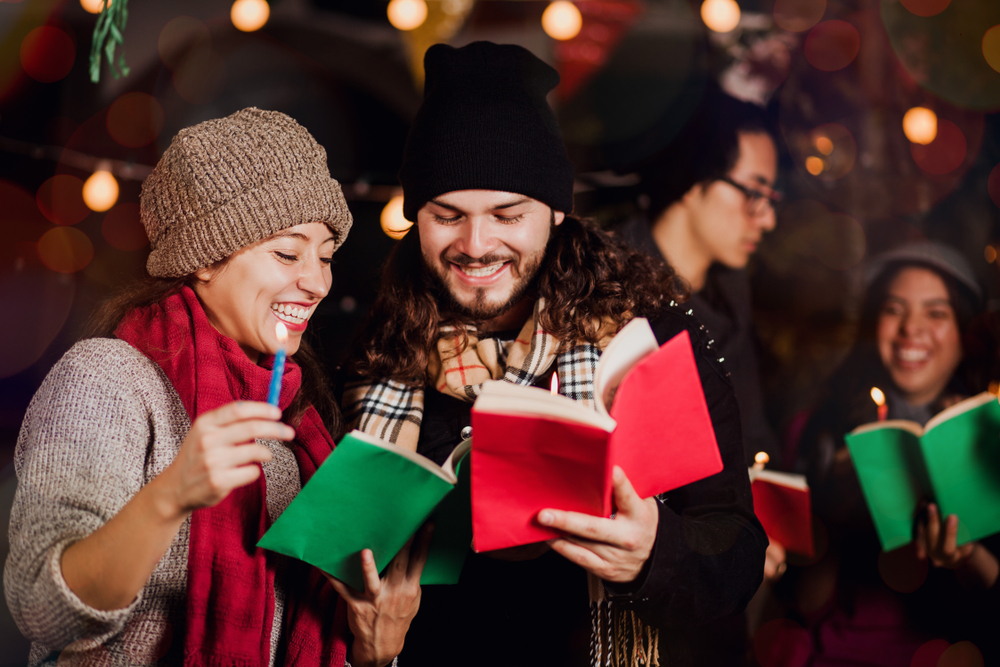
912 355
481 272
291 313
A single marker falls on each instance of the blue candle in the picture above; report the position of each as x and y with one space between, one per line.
279 364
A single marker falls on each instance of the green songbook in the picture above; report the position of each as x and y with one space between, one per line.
953 461
372 494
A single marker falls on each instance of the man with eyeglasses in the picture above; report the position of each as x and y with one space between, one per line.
711 199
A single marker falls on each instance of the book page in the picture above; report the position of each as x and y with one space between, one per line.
788 479
630 345
419 459
448 467
901 424
959 408
500 397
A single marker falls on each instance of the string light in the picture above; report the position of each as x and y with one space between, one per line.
824 145
250 15
920 125
93 6
100 192
394 224
562 20
720 15
407 14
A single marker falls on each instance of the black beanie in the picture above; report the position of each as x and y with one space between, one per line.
485 125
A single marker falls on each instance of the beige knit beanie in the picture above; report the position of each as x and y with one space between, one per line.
227 183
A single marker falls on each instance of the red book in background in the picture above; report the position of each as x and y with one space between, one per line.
781 502
532 449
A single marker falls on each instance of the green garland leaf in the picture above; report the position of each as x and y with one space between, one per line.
109 34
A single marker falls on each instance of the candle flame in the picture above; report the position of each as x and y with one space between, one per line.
878 396
761 457
554 384
282 333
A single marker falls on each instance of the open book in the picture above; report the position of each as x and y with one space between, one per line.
781 501
954 461
372 494
533 449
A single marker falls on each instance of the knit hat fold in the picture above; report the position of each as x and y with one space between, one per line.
231 182
485 124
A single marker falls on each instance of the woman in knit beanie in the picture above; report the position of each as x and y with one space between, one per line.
148 464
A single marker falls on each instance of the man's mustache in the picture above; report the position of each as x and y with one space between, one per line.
464 260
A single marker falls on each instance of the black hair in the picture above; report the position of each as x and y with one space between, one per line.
707 148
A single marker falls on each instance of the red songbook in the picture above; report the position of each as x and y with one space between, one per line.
533 450
781 502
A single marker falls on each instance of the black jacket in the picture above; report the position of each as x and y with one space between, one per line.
707 562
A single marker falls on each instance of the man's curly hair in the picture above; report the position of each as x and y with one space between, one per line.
587 277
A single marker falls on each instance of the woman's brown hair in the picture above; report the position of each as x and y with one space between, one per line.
315 389
587 277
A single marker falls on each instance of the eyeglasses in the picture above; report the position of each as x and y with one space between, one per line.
758 200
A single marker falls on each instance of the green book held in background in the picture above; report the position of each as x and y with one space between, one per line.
372 494
953 461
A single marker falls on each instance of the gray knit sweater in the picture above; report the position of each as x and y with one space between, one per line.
104 423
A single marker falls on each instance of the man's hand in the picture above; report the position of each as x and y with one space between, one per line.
612 549
775 561
380 616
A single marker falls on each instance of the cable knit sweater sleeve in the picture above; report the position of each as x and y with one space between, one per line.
99 427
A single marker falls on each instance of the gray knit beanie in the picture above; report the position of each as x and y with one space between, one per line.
228 183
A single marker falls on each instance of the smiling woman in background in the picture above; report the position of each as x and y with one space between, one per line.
914 344
148 465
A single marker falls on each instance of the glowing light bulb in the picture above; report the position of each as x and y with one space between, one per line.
249 15
562 20
407 14
394 224
815 165
720 15
920 125
93 6
100 192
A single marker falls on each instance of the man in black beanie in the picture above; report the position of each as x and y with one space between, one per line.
499 281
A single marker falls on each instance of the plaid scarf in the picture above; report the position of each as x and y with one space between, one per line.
462 362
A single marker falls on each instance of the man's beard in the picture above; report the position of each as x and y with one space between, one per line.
480 310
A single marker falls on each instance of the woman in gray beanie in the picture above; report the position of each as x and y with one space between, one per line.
149 464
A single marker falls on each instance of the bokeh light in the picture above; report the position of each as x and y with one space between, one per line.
60 199
782 642
47 54
929 654
946 153
836 240
720 15
901 570
920 125
798 15
830 151
249 15
394 224
961 654
990 254
925 8
407 14
94 6
65 249
135 119
100 192
562 20
832 45
122 228
180 34
991 47
993 185
823 144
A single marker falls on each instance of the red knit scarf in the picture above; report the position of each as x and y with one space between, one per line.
230 584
